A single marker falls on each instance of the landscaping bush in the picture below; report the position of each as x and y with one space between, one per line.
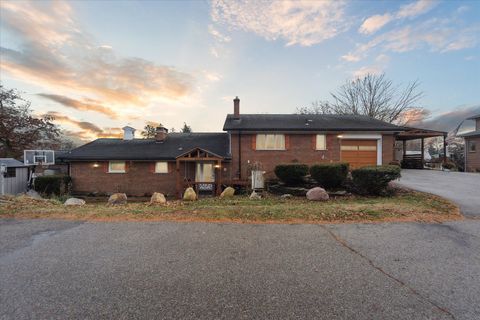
291 174
52 185
374 180
449 165
331 175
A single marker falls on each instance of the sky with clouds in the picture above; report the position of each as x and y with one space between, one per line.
99 65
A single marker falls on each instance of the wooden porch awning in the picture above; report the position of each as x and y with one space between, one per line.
199 155
416 133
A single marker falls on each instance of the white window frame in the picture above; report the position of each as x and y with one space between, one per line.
264 147
324 138
161 171
470 144
110 170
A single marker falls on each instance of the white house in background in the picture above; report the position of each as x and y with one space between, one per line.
13 176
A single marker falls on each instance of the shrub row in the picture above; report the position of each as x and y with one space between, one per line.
374 180
367 180
331 175
48 185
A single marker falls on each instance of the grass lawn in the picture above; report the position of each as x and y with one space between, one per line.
404 206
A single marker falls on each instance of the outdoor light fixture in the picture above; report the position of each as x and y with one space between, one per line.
96 165
217 166
339 136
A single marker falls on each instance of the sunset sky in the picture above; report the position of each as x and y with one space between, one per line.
98 66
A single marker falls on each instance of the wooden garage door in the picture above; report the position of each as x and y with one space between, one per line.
359 153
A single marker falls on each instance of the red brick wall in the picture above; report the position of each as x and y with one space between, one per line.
473 158
139 180
300 148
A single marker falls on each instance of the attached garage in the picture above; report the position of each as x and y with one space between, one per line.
359 153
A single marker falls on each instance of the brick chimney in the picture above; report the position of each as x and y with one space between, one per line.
236 108
161 133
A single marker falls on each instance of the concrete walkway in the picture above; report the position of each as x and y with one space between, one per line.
460 187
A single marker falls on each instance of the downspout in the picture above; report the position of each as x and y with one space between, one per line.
239 155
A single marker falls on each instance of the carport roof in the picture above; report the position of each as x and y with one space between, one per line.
418 133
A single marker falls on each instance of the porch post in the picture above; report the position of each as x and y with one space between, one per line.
423 152
178 187
444 149
219 179
404 145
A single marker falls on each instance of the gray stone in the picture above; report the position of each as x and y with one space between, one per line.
33 194
158 198
286 196
317 194
227 193
255 196
74 202
117 198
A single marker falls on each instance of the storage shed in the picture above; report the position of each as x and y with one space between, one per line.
13 176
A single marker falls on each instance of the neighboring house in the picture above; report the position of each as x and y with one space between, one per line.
172 161
14 176
472 146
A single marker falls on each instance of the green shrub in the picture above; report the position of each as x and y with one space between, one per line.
52 185
374 180
330 175
449 165
291 174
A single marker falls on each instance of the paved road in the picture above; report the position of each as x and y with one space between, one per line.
73 270
460 187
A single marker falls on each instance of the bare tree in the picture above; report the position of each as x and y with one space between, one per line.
374 96
20 129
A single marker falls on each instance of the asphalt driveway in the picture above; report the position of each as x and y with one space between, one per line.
164 270
459 187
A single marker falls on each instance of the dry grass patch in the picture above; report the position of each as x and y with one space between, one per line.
404 206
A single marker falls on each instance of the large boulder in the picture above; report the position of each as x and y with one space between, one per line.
227 193
74 202
255 196
117 198
189 195
158 198
317 194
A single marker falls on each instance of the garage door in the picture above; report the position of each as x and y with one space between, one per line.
359 153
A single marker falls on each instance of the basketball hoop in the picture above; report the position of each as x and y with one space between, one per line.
40 158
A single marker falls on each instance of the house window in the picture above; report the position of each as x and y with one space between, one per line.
472 146
270 142
321 142
161 167
116 166
11 173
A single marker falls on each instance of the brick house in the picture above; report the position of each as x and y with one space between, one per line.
472 146
172 161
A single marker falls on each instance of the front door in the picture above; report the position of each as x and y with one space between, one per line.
205 175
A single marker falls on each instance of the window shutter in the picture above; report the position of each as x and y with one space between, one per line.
254 141
287 141
314 142
105 166
151 167
127 166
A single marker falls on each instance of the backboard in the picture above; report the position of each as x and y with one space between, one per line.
38 157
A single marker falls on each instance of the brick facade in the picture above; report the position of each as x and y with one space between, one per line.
300 148
138 180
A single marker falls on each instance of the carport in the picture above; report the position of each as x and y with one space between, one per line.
417 161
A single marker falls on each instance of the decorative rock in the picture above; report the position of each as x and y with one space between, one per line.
117 198
286 196
33 194
255 196
227 193
317 194
74 202
189 195
158 198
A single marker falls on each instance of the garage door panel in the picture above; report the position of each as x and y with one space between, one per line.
359 153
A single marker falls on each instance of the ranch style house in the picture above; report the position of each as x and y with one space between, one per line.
171 162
